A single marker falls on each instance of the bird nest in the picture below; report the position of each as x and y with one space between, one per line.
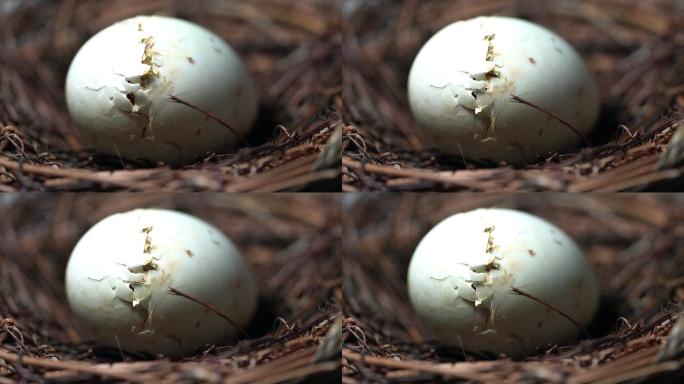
290 243
635 50
292 50
634 243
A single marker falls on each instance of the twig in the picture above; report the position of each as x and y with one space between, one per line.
209 307
467 179
553 115
466 370
178 100
69 173
68 365
553 308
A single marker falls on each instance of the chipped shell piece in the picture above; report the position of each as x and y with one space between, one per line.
462 273
119 275
463 80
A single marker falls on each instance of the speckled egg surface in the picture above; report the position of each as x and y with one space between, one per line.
120 83
463 276
120 273
464 82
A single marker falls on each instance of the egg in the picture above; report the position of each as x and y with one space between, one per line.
497 281
120 84
121 273
500 89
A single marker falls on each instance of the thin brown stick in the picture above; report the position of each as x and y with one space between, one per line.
467 179
553 115
466 370
209 307
553 308
68 173
178 100
304 371
289 363
68 365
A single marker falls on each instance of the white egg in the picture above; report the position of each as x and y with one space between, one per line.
119 85
462 83
462 274
119 276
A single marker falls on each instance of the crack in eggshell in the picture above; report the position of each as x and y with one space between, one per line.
489 325
134 289
135 292
491 247
137 88
483 295
476 288
141 294
148 265
466 291
147 248
490 47
475 93
491 264
148 59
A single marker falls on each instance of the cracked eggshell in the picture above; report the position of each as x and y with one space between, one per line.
462 81
120 81
461 274
119 274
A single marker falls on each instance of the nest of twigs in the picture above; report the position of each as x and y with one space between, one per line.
634 49
635 244
291 49
290 243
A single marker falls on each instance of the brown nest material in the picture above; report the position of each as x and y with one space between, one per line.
635 242
290 242
635 50
292 49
